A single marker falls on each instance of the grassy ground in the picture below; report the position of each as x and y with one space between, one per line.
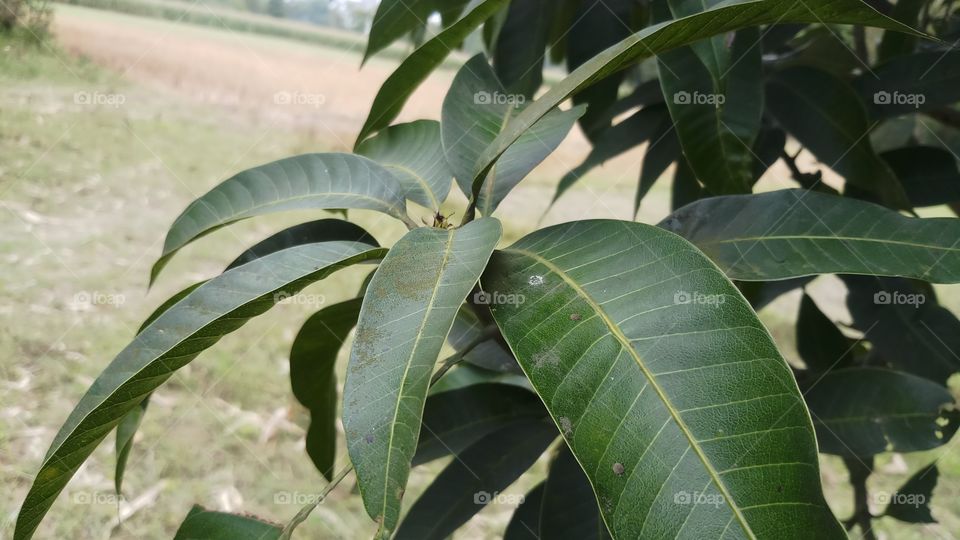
103 145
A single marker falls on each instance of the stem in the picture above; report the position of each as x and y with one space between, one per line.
859 471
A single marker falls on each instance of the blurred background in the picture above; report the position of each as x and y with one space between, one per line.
114 115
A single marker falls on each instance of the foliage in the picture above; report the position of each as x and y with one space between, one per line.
632 353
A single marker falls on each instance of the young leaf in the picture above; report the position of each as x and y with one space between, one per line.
656 39
911 503
665 385
413 152
476 108
416 67
203 524
791 233
525 522
322 181
474 478
407 311
176 337
569 509
311 232
313 360
821 345
865 411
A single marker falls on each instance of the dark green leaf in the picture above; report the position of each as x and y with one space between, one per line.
468 331
464 375
475 479
791 233
911 503
397 18
193 324
866 411
203 524
321 230
767 149
416 67
911 83
928 174
663 150
685 188
407 311
895 43
569 508
821 345
413 152
712 52
320 181
666 398
313 360
521 44
525 522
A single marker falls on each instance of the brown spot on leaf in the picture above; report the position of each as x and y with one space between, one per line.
575 316
618 469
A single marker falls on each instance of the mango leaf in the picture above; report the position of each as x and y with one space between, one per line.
911 503
313 361
791 233
822 346
489 354
400 85
928 174
176 337
474 479
321 181
569 508
525 522
521 45
911 83
397 18
713 52
407 311
455 419
464 375
476 108
865 411
665 385
685 188
656 39
664 149
894 43
767 150
414 154
311 232
828 118
203 524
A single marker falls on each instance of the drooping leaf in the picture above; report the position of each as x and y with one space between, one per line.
713 53
313 360
634 131
908 84
397 18
521 45
311 232
911 503
415 68
464 375
407 311
767 149
928 174
664 149
822 346
791 233
455 419
569 509
474 479
413 152
476 108
489 353
685 188
320 181
203 524
866 410
828 118
655 39
664 383
212 310
525 522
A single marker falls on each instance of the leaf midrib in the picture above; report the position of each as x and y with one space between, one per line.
674 414
825 237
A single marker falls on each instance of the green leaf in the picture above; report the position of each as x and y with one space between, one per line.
311 232
911 503
908 84
455 419
717 120
413 152
713 52
664 149
821 345
475 479
319 181
521 44
828 118
928 174
313 361
397 18
685 188
407 312
656 39
865 411
894 43
468 331
203 524
791 233
193 324
569 508
665 397
415 68
464 375
476 108
525 522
